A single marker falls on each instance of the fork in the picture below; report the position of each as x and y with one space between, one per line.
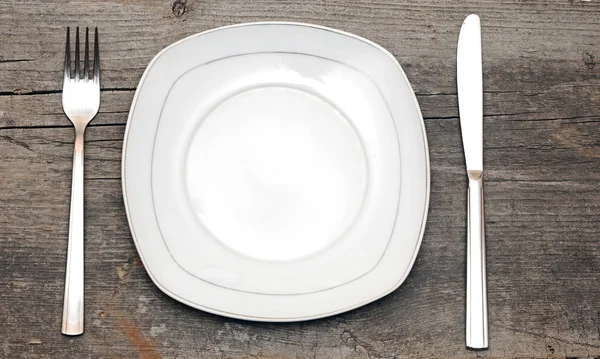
81 101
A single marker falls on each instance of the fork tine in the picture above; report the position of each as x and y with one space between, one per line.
86 63
68 58
77 65
96 58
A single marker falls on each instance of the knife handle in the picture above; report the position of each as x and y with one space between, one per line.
477 322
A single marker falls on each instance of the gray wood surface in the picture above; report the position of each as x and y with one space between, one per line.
542 155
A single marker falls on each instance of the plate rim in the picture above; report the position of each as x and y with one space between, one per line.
424 216
303 293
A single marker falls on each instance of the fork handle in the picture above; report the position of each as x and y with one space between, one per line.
477 321
72 320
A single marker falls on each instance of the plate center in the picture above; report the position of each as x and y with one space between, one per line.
275 173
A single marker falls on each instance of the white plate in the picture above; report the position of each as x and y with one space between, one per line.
276 171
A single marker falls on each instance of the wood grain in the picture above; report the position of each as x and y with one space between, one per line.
542 158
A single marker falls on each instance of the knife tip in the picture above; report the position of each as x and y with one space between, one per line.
471 18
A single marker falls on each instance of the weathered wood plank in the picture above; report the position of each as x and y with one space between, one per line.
542 97
45 110
541 278
520 38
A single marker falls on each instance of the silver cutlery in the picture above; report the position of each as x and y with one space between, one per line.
470 102
81 101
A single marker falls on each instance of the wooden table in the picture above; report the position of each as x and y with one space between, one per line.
542 157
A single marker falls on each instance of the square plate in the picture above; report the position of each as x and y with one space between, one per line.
276 171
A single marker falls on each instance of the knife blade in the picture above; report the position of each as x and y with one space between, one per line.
470 91
470 102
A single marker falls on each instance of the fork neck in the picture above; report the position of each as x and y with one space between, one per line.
79 129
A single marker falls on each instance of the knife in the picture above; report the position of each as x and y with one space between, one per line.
470 103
